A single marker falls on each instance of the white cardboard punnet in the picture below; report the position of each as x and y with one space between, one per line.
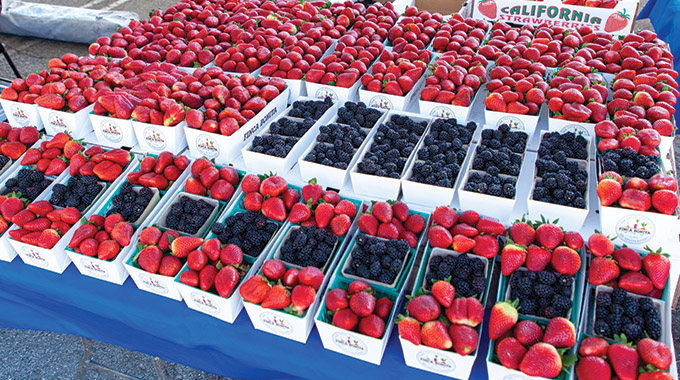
21 114
113 132
338 94
158 138
75 124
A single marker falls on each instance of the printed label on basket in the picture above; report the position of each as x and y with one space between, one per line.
380 102
276 323
57 122
579 130
326 92
350 344
19 115
442 112
153 285
155 138
207 146
635 229
111 131
435 362
34 256
94 268
204 303
512 121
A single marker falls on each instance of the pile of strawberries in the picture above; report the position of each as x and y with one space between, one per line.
513 89
162 252
270 195
396 72
213 267
464 36
323 209
392 220
415 27
576 94
626 268
457 327
455 79
107 165
465 232
659 193
53 156
70 84
40 224
293 291
357 309
15 141
535 245
159 172
102 237
643 140
648 360
209 180
294 61
529 348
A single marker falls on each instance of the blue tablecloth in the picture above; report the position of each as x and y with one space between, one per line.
32 298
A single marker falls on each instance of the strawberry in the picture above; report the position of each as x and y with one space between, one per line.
48 238
654 353
593 346
164 159
250 183
655 375
445 216
624 359
362 304
464 339
38 224
182 245
32 156
122 233
424 308
336 299
40 208
106 171
290 278
636 200
503 318
513 256
665 201
463 244
560 333
231 254
415 223
274 208
616 22
32 238
312 191
22 217
323 214
486 246
490 226
372 325
150 236
252 202
434 334
190 278
573 240
368 224
487 8
465 311
401 211
273 186
593 368
311 276
565 260
345 319
254 290
510 352
382 211
358 286
661 181
56 166
609 191
602 271
528 332
537 258
383 307
299 213
522 233
13 149
340 224
206 277
345 207
657 266
273 270
440 237
549 235
149 259
302 298
444 292
108 250
197 260
628 259
71 215
600 245
542 360
409 329
636 282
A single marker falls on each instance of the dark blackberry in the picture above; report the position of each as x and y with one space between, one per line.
646 304
527 306
632 332
565 280
561 302
631 306
542 290
478 285
653 329
601 313
618 296
602 328
604 300
545 278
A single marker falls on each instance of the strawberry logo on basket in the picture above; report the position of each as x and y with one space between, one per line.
616 22
488 8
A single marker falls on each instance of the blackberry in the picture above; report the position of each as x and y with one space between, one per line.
604 300
601 313
602 328
646 304
565 280
546 278
527 306
632 332
618 296
478 285
542 290
561 302
653 329
630 306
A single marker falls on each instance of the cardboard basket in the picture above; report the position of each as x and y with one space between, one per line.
262 163
208 222
224 149
338 94
638 229
77 124
159 138
21 114
113 132
526 123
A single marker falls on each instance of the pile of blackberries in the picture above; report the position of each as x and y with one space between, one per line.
188 215
130 203
628 163
466 273
618 313
29 183
358 112
250 231
312 109
569 144
377 259
282 136
337 144
80 192
308 246
543 294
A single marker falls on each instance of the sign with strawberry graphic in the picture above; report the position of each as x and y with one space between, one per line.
618 20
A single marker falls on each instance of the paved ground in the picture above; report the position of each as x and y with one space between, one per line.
33 355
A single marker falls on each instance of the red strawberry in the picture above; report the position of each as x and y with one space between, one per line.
434 334
415 223
463 244
302 298
444 292
486 246
278 297
409 329
206 276
654 353
274 208
311 276
226 280
323 214
382 211
490 226
465 311
372 325
464 339
312 191
388 231
542 360
340 224
628 259
560 333
440 237
445 216
609 191
624 359
593 368
487 8
615 22
593 346
290 278
400 211
254 290
362 304
636 282
150 236
512 257
573 240
150 259
182 245
424 308
522 233
358 286
251 182
510 352
600 245
299 213
565 260
549 235
368 224
345 319
602 271
337 299
503 318
537 258
345 207
273 186
273 270
528 332
665 201
383 307
657 268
